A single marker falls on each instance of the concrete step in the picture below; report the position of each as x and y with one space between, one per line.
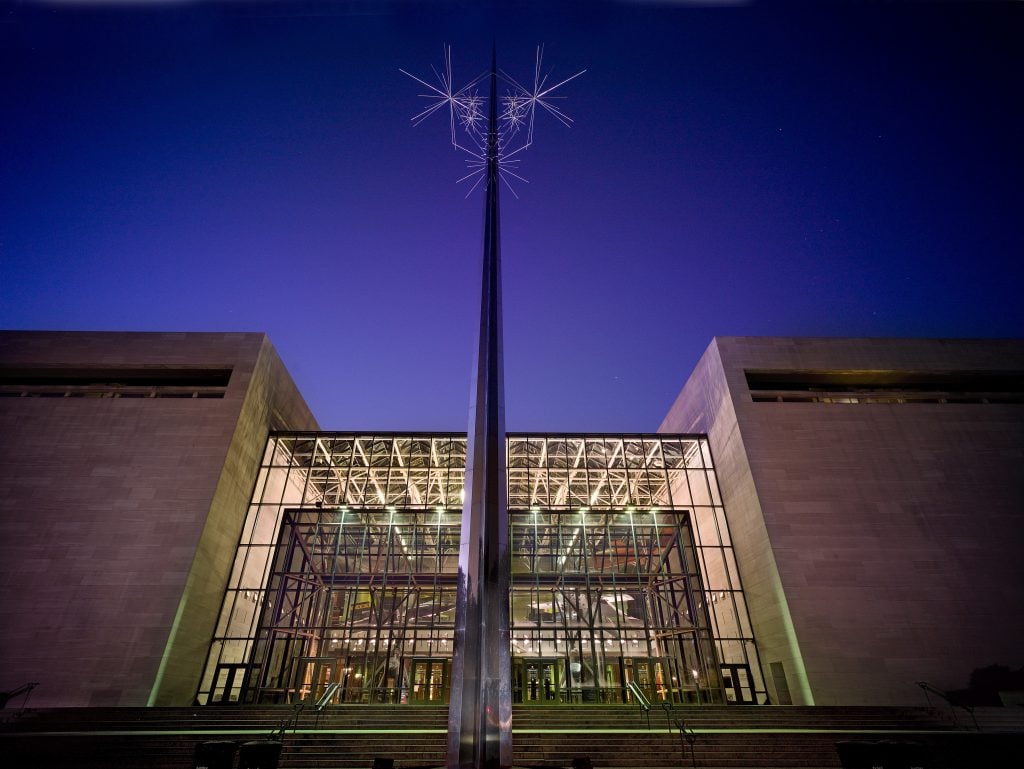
350 737
949 750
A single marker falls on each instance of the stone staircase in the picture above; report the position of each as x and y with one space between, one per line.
351 736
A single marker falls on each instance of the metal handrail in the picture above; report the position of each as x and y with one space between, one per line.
324 701
667 707
292 722
327 696
642 701
927 687
690 737
25 689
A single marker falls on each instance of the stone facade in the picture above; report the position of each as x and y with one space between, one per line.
118 514
877 538
878 542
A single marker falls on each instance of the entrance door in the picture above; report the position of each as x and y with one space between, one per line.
428 679
538 680
649 676
315 674
228 681
737 683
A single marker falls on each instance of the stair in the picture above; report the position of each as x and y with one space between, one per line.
351 736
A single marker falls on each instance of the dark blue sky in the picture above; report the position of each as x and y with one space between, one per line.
821 169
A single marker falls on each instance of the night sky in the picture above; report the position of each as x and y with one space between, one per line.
825 169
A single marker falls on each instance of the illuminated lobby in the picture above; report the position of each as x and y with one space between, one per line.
623 575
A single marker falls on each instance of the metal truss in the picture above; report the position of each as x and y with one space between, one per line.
619 554
552 471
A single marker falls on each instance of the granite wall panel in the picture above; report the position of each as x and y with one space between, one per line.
896 528
705 406
104 503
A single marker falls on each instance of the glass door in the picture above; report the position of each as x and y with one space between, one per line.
738 684
537 681
315 674
649 676
428 679
228 681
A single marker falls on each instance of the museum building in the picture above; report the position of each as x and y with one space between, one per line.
816 521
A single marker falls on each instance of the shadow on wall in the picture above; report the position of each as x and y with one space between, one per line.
992 686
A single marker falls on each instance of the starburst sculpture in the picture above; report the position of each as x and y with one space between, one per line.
467 115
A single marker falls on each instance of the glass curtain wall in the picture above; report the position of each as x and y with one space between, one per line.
622 571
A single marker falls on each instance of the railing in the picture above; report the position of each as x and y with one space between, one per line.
327 696
401 695
324 701
641 699
25 689
617 695
367 695
292 722
667 707
927 687
689 736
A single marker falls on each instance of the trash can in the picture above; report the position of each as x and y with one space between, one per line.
259 755
214 755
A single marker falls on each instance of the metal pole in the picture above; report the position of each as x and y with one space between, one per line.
480 710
